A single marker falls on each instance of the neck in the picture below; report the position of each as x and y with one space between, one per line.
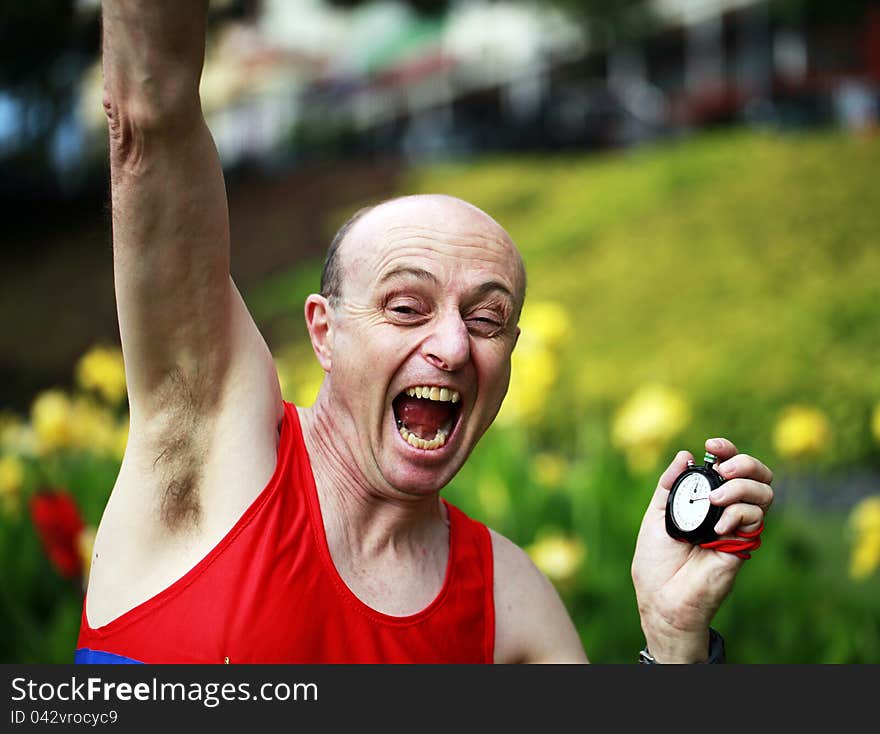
368 518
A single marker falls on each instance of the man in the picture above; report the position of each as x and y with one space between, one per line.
243 529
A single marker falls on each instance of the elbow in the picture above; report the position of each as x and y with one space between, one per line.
137 119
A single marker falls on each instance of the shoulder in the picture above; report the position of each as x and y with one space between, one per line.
531 622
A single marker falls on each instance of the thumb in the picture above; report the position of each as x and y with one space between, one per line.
678 465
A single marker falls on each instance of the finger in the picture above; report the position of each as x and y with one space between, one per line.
721 447
667 479
743 490
739 517
743 465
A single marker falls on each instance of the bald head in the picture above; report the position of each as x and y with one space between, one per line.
437 214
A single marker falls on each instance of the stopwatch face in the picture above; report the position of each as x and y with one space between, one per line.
690 505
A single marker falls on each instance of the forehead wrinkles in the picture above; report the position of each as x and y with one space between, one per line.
402 242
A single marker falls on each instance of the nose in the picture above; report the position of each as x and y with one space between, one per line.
448 346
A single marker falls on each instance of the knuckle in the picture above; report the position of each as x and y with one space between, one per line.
747 463
735 486
748 515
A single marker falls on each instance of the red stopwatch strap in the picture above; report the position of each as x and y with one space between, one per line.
739 548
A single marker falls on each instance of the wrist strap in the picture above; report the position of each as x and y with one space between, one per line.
717 651
741 548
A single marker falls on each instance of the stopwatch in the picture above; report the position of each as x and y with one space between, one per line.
690 515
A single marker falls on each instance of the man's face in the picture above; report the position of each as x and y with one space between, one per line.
421 338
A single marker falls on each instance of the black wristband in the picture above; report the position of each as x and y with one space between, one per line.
717 652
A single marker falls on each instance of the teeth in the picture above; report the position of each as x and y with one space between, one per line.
420 443
438 394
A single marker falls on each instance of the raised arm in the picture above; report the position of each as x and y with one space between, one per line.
170 228
200 376
203 391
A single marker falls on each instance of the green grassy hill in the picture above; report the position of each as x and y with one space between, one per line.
742 269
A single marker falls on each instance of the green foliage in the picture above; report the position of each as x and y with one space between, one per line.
741 269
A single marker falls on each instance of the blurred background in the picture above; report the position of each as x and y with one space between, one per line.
693 185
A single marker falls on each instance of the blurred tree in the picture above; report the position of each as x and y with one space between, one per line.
46 45
817 11
424 7
611 20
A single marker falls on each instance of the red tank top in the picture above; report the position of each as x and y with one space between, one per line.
268 592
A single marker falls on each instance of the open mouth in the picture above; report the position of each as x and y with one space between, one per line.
426 415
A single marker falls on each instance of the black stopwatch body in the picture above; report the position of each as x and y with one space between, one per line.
690 515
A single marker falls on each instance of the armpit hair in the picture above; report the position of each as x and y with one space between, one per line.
181 400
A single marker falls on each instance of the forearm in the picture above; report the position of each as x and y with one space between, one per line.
153 53
169 213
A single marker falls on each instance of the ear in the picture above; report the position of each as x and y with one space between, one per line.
319 322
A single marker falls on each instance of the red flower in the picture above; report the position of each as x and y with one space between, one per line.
58 523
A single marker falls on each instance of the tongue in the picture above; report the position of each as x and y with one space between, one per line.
422 417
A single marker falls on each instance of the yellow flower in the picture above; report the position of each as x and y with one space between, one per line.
545 322
11 480
557 556
865 516
102 369
52 418
646 422
548 469
306 388
93 427
875 423
864 521
284 378
865 557
801 432
81 423
85 545
120 440
299 375
533 372
535 362
16 436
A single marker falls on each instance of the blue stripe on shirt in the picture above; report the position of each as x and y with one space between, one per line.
86 656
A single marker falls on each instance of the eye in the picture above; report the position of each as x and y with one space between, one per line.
486 320
485 324
405 310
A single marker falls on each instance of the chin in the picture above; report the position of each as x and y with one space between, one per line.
420 481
